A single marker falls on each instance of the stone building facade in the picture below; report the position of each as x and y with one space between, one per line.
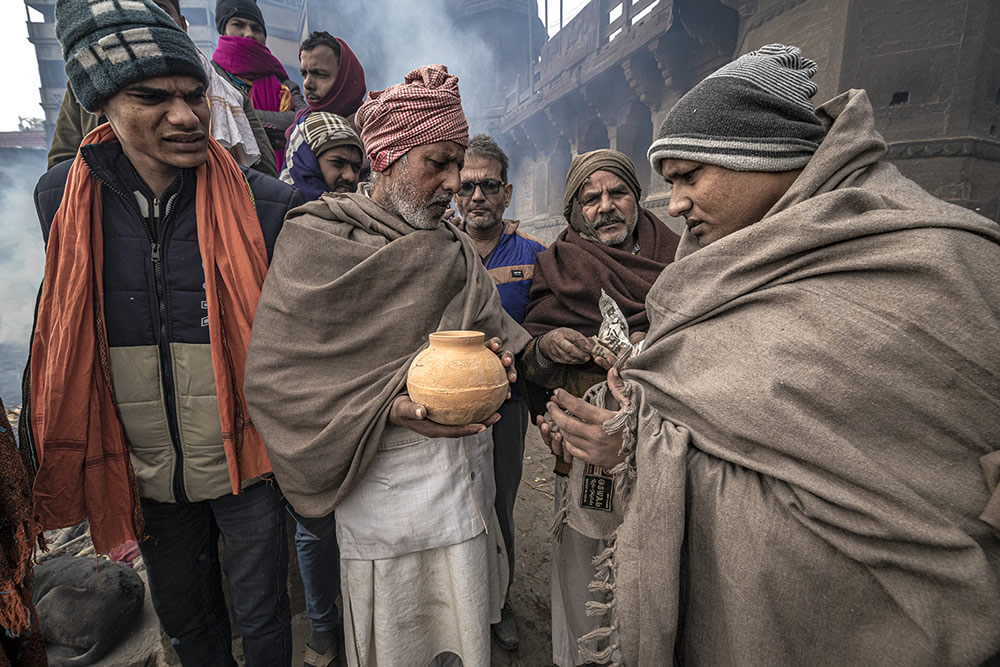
607 80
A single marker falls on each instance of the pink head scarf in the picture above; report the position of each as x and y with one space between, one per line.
251 60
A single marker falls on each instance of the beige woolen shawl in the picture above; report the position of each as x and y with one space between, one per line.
349 299
811 419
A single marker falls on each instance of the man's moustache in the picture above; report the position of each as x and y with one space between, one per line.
608 219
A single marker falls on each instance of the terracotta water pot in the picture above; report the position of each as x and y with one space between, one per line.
457 378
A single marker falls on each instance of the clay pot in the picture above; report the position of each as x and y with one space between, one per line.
457 378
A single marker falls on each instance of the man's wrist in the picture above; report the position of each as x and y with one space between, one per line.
540 358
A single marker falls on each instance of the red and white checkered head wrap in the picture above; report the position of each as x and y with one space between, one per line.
424 109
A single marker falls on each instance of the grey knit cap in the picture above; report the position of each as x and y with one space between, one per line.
753 114
109 44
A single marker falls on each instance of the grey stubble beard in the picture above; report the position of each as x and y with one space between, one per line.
617 217
404 200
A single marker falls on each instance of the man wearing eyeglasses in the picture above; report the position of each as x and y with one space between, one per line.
509 256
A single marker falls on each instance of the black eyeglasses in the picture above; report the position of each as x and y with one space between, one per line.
489 186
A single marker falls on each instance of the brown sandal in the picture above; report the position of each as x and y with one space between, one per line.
314 659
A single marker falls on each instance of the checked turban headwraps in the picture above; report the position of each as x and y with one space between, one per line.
424 109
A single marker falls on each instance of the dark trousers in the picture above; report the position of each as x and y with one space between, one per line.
508 459
185 583
319 567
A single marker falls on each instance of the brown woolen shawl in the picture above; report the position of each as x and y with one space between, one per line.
815 406
569 275
351 295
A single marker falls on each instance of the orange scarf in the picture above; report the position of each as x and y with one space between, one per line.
84 465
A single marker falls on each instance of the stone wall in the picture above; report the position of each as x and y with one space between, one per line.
931 69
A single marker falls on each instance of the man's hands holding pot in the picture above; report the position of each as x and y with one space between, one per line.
413 416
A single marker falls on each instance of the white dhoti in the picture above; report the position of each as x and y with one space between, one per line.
572 572
423 565
407 610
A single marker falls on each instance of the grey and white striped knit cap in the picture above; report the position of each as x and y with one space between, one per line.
753 114
110 44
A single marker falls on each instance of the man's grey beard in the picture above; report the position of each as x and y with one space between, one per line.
403 199
605 218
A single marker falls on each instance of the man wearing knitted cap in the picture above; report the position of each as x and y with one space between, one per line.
359 281
234 123
157 245
327 155
612 244
806 443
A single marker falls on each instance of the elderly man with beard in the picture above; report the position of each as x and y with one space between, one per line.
807 442
611 243
358 283
509 256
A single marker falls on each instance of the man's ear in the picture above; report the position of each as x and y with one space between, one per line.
184 23
508 191
100 112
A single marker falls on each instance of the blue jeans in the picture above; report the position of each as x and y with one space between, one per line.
185 583
319 566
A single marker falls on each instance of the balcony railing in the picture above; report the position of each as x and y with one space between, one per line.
596 27
621 15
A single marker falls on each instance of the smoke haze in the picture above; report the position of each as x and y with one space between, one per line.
393 37
21 259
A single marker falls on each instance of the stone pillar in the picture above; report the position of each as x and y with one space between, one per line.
559 161
591 135
658 189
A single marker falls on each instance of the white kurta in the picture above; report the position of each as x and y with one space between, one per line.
572 572
423 566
